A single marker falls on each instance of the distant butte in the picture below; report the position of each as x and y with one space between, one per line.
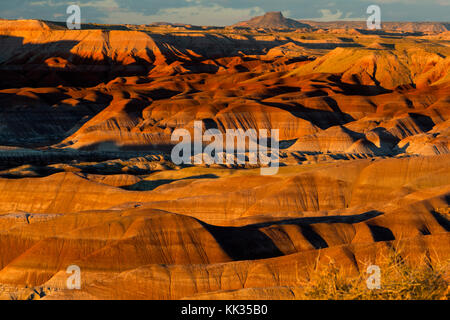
273 20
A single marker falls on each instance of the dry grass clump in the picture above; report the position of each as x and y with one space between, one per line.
400 280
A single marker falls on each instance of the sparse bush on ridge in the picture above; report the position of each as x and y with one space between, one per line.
400 280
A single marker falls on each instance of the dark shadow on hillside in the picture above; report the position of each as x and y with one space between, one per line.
425 123
33 119
243 243
30 172
357 89
88 26
250 242
325 219
149 185
391 34
381 233
442 220
321 118
26 66
313 237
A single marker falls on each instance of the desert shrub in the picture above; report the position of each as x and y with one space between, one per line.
400 280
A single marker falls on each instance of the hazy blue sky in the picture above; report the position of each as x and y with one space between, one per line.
222 12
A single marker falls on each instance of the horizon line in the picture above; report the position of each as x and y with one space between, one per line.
205 25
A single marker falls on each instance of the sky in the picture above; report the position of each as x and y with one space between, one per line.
222 12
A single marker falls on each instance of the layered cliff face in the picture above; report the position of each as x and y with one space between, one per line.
86 176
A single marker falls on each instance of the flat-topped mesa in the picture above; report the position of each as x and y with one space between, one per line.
272 20
23 25
274 15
